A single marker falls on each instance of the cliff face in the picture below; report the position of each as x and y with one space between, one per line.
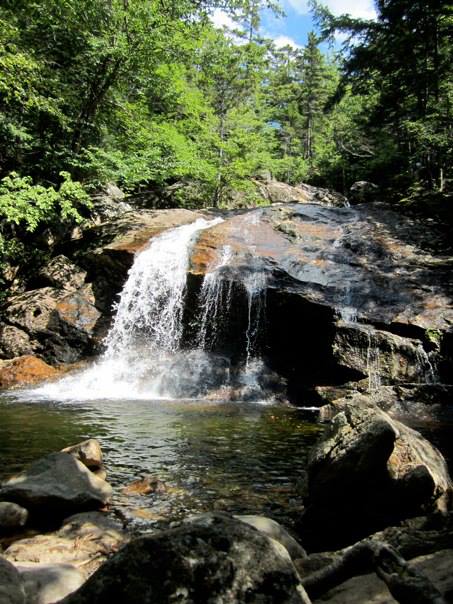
345 293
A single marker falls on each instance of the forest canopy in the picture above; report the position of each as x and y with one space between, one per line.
145 94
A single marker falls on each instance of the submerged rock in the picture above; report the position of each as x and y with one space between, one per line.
24 370
368 472
212 558
58 483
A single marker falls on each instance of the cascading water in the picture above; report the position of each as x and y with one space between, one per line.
373 363
426 368
144 358
152 301
215 298
143 355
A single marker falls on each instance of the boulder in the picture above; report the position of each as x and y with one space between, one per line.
62 324
59 484
368 472
12 516
85 541
274 530
15 342
89 452
274 191
49 583
362 191
11 587
25 370
109 203
60 272
328 197
212 558
382 356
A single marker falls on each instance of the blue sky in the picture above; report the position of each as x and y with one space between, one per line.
294 26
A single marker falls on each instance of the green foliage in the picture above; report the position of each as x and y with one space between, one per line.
29 206
26 208
405 59
149 94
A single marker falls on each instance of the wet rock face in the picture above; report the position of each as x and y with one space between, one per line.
370 471
213 558
366 265
392 358
24 370
368 258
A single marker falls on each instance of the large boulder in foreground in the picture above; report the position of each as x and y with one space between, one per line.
370 471
213 558
59 483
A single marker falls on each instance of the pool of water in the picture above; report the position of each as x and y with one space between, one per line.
236 457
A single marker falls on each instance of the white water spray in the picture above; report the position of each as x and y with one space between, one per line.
144 342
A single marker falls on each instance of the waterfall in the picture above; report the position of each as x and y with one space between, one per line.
255 286
143 358
373 363
347 311
425 366
215 299
152 301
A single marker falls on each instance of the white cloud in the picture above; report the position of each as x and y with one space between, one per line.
363 9
221 19
281 41
300 6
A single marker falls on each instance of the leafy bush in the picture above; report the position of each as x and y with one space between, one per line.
26 208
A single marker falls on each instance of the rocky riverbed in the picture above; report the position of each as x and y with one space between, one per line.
347 309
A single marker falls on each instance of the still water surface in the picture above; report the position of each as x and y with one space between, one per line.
237 457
